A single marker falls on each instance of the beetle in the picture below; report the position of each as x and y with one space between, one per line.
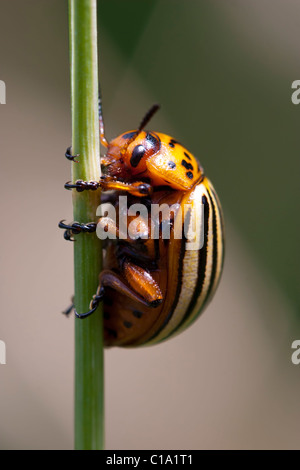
153 288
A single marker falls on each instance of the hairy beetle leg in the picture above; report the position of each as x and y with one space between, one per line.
75 228
71 157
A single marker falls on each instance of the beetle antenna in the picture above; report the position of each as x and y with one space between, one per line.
148 116
154 108
103 139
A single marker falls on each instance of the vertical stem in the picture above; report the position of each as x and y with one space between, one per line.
89 416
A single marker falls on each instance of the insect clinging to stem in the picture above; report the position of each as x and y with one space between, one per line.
153 287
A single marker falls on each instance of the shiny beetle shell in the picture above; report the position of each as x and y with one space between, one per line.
156 288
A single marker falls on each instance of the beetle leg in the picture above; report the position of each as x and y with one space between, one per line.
143 283
138 188
69 155
114 281
110 227
76 228
81 185
68 310
93 305
142 287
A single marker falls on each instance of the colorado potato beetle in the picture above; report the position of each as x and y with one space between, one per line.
154 286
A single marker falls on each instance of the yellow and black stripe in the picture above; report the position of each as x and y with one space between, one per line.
193 275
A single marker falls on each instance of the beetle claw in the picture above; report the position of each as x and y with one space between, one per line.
75 228
68 310
93 305
81 185
71 157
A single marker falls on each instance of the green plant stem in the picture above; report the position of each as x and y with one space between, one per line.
89 415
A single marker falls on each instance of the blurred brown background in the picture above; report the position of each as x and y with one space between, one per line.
222 72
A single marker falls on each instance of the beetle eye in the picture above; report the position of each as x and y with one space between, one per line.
137 154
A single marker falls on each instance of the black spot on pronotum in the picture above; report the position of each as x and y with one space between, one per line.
137 155
172 143
129 135
137 313
152 142
127 324
187 156
187 165
172 165
190 175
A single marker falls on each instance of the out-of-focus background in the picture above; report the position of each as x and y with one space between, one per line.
222 72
